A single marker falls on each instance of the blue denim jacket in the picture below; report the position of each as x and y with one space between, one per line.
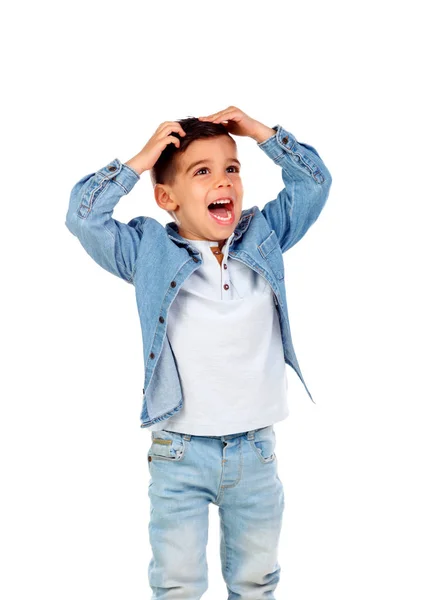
157 260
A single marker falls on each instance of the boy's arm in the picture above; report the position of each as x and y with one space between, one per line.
112 244
307 183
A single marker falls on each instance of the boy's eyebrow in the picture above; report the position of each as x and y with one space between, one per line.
208 160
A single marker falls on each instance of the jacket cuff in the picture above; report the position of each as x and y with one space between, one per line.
303 156
115 171
281 140
119 172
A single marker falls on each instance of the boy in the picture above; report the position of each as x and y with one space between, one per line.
211 298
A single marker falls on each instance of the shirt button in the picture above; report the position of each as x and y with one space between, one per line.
173 284
226 286
285 140
161 319
112 168
225 266
152 355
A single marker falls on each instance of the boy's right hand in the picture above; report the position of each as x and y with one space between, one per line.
147 157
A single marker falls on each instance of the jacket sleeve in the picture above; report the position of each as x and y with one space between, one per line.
307 182
112 244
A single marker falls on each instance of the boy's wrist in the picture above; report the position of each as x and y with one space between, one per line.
136 164
263 133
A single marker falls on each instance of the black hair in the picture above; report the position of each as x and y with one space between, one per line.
166 168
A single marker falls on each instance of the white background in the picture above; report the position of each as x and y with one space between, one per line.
86 82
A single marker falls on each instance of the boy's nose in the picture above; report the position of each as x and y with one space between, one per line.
226 180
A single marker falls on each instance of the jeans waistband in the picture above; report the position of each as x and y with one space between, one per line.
230 436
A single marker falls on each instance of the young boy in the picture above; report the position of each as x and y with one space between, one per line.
210 291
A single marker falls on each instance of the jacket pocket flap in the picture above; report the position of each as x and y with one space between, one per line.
268 244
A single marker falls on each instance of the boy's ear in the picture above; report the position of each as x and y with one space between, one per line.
162 197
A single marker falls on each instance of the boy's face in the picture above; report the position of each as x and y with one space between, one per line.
196 186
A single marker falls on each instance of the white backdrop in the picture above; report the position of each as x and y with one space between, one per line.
90 81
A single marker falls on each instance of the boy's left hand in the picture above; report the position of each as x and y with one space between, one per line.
238 123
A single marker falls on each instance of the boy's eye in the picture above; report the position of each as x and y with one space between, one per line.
230 167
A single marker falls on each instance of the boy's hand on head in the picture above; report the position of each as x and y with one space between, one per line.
238 123
147 157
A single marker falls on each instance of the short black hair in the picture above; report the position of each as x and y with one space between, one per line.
165 169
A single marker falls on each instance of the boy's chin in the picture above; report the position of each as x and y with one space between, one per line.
214 231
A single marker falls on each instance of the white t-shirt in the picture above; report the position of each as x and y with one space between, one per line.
224 331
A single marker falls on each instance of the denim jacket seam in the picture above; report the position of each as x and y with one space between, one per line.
121 266
132 276
278 159
313 172
120 185
296 150
311 166
91 196
95 194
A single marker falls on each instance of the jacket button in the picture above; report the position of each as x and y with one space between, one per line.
143 390
173 284
152 355
112 168
285 140
161 319
150 459
195 259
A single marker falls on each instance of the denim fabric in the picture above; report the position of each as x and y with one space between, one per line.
236 472
157 260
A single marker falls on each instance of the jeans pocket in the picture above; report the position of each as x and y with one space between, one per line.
264 444
166 445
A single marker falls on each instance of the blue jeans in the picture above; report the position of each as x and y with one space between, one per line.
238 473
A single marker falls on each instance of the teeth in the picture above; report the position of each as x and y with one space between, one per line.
223 218
221 202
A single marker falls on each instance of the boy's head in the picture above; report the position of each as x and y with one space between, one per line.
186 189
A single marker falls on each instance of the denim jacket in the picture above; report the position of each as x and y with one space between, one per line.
157 260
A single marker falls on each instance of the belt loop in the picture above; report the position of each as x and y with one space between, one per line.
187 436
250 434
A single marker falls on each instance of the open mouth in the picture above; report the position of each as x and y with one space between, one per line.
222 213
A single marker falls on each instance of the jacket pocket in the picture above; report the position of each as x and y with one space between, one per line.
272 253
